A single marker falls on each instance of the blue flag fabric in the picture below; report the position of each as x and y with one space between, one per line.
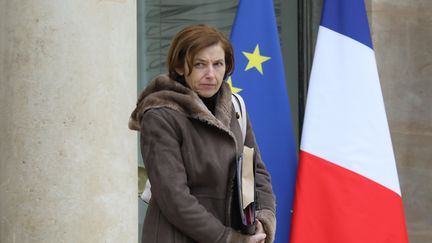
347 18
259 78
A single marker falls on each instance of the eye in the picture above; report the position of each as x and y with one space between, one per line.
199 65
219 64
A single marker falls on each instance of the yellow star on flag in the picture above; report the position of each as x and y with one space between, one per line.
255 59
234 90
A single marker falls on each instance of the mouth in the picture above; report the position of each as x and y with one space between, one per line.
208 86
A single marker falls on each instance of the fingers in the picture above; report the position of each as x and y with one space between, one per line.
259 227
258 238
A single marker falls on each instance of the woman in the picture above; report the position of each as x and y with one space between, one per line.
190 142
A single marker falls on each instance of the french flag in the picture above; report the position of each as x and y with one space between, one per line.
347 186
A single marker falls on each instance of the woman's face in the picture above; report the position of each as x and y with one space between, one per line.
208 71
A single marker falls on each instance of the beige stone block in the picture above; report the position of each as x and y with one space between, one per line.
67 159
402 36
415 174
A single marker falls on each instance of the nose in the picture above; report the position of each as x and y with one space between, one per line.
210 72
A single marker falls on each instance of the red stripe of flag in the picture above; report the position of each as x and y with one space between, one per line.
338 205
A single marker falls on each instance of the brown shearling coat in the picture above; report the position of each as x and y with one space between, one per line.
189 154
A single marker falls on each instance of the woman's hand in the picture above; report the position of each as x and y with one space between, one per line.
258 237
259 234
268 221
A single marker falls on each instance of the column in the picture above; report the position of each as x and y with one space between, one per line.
67 87
402 37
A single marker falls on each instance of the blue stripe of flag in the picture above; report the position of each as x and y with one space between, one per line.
352 12
267 102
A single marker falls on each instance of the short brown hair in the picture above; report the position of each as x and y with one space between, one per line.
191 40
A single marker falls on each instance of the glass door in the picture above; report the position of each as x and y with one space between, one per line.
159 20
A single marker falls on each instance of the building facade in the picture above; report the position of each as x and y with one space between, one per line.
70 72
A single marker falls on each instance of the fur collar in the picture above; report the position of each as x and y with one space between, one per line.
167 93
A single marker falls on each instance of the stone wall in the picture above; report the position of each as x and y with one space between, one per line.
402 37
68 84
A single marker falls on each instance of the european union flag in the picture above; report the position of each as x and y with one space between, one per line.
259 78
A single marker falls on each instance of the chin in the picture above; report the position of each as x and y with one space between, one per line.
206 94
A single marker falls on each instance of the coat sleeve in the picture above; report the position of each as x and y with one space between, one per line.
265 197
162 158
